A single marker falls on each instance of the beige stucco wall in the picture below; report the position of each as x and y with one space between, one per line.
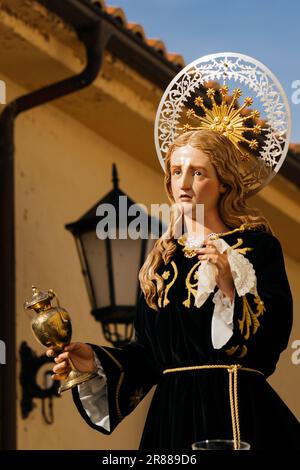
286 379
61 169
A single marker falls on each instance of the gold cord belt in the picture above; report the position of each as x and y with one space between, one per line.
233 391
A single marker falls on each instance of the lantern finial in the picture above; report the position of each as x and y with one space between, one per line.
115 178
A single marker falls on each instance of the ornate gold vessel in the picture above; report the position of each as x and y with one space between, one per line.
52 327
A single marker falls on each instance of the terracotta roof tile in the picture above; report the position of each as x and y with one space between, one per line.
137 30
118 14
176 59
157 44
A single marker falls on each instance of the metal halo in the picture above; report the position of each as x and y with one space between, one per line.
264 87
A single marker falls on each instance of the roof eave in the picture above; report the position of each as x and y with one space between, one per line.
122 43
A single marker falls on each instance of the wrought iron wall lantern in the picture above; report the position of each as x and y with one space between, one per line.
110 266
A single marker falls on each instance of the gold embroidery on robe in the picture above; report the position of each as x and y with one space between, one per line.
249 319
188 252
231 351
239 242
244 351
192 288
120 381
165 275
192 275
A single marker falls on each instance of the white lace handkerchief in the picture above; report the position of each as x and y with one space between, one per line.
242 272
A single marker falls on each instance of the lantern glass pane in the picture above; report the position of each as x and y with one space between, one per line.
126 256
96 257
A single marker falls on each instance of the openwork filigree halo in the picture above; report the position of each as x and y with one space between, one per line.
205 95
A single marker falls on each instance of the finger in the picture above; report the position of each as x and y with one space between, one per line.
209 242
59 376
222 260
61 357
208 256
60 368
62 374
211 258
208 250
72 347
212 246
50 352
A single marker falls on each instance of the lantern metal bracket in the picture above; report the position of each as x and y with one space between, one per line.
30 365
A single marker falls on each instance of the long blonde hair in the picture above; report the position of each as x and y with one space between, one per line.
232 206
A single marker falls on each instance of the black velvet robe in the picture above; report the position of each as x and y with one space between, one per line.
194 405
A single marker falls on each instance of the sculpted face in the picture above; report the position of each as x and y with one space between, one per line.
194 179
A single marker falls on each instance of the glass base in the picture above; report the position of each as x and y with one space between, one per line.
75 378
220 444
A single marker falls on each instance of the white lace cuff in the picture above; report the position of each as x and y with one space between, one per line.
94 397
222 320
243 273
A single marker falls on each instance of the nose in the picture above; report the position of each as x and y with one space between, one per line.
185 182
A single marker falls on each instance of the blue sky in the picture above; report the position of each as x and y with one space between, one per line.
268 30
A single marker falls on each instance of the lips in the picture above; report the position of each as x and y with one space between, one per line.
184 195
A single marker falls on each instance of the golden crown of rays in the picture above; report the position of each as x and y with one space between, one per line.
225 118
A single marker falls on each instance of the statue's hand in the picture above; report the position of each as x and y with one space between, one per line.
81 355
224 279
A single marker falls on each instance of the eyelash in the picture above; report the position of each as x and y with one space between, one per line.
197 171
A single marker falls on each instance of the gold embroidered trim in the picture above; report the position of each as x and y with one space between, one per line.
117 396
231 351
239 242
112 358
192 288
244 352
244 250
248 322
190 252
250 319
121 378
242 228
164 294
